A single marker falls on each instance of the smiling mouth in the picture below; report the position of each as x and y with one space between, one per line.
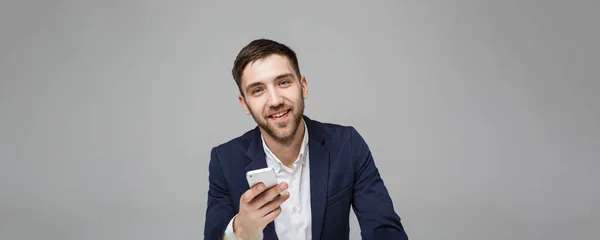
280 115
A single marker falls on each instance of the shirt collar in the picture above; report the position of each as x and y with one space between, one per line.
299 160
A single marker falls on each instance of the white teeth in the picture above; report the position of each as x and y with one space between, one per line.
280 114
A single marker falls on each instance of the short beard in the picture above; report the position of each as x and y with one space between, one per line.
270 129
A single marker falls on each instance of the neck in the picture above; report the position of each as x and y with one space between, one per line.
287 152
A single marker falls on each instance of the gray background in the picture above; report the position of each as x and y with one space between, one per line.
482 116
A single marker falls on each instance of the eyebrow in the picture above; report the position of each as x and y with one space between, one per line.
285 75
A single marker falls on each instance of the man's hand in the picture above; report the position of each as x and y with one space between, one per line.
258 207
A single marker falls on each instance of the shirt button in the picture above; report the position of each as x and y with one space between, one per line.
295 209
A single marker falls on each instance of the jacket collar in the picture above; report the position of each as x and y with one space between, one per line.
319 171
256 152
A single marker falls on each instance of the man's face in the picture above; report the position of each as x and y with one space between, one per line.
274 96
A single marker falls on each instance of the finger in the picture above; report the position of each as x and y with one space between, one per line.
254 191
274 204
271 216
268 195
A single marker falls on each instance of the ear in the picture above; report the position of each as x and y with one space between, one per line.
243 103
304 87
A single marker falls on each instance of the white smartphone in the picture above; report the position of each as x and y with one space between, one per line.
265 175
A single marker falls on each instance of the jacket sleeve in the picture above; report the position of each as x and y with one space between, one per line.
372 203
219 210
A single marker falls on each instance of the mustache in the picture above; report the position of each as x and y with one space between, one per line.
278 108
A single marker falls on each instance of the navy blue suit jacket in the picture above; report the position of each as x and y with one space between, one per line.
343 175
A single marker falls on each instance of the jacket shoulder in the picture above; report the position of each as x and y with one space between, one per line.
336 131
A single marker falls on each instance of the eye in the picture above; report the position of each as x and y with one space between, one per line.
256 90
284 82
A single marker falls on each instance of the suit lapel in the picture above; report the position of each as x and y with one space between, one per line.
257 157
256 152
319 173
319 176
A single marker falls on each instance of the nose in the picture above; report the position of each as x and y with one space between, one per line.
275 99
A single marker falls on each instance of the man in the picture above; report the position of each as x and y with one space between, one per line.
323 169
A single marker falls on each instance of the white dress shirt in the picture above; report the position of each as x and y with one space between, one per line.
294 222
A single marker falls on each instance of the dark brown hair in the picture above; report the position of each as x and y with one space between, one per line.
258 49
